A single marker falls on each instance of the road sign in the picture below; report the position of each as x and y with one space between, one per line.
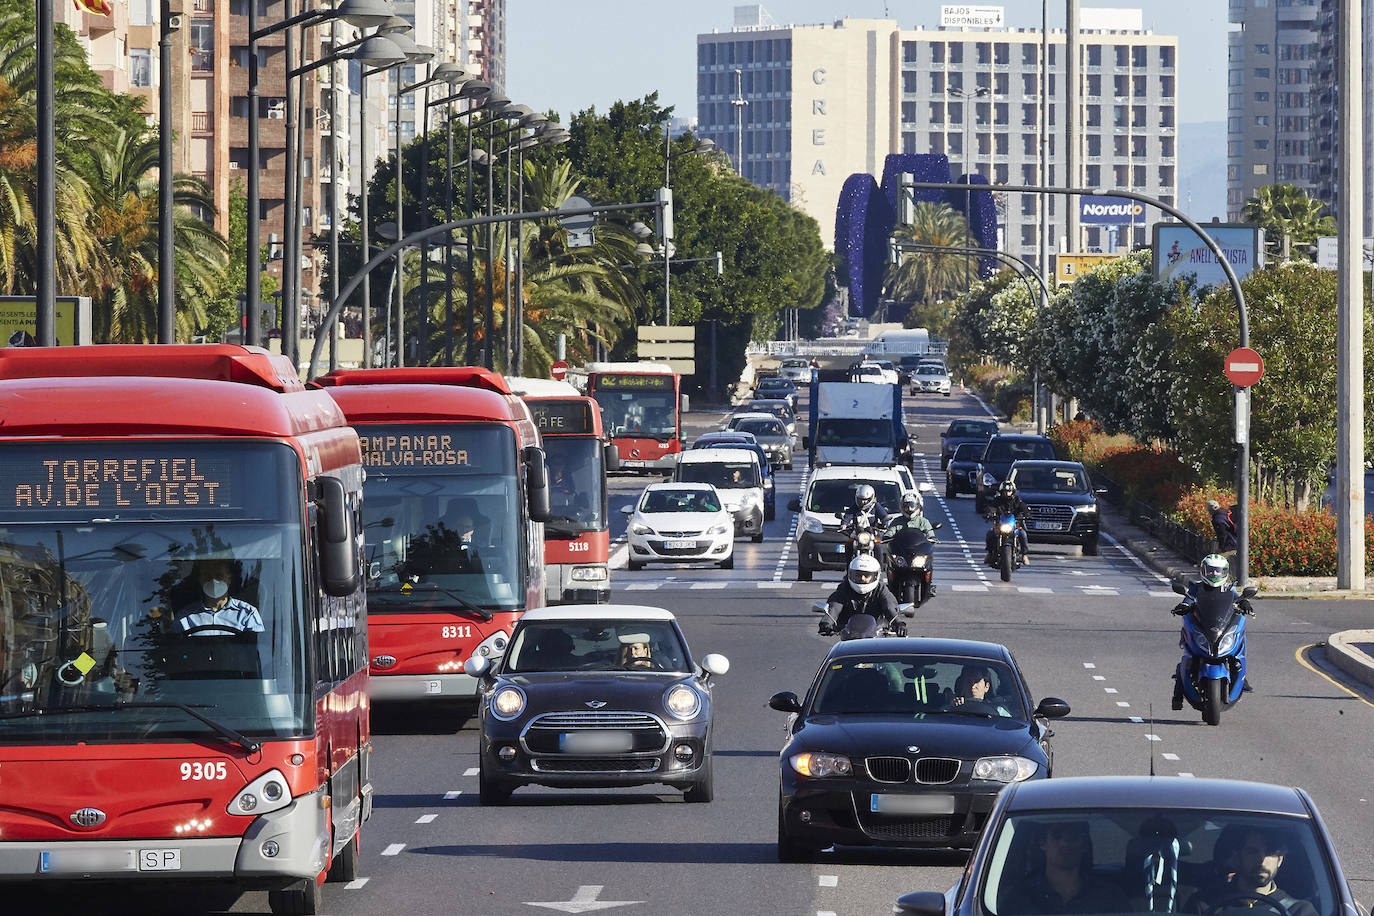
1069 267
579 221
1244 367
1327 251
558 370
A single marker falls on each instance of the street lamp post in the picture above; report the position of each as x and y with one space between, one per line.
968 97
166 255
420 56
702 146
739 102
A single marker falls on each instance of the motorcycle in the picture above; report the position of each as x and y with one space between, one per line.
865 536
863 626
1007 550
1211 673
911 565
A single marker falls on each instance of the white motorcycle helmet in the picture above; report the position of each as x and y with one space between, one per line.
864 497
911 505
1215 570
863 574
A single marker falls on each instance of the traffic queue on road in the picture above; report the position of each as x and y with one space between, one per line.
209 571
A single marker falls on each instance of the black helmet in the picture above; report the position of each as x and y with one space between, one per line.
1007 488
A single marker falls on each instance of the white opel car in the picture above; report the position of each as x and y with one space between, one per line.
680 523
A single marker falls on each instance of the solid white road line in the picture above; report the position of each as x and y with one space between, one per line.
1034 590
1133 558
642 586
709 586
961 587
394 849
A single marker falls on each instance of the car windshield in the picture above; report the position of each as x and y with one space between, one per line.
577 485
455 526
725 475
1005 451
596 645
761 427
929 370
969 451
776 408
173 574
774 383
1133 860
835 496
684 500
795 364
1051 480
637 413
967 428
855 433
920 686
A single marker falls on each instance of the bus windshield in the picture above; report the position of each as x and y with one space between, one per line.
646 414
442 517
159 576
577 485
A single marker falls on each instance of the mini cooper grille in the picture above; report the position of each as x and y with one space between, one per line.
562 721
595 764
910 828
888 769
545 735
1051 513
935 770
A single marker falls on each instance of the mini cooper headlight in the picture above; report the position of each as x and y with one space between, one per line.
507 703
682 701
817 764
1004 769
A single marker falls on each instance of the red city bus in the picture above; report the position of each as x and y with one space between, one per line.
183 689
456 491
577 537
641 407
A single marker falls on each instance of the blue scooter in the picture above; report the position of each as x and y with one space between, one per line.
1211 673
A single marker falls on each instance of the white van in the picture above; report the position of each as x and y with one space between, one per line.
736 474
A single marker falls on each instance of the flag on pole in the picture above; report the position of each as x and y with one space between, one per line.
95 7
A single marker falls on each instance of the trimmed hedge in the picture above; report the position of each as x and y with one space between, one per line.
1006 390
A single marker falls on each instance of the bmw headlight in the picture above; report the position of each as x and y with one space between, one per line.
641 529
1006 527
817 765
508 702
589 574
682 701
1004 769
717 529
1227 642
989 481
813 525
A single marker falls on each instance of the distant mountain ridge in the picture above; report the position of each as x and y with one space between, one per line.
1202 170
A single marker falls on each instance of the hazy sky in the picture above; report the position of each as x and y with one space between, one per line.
568 55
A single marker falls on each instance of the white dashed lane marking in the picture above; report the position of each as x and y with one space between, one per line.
450 796
426 818
827 880
394 849
356 883
470 771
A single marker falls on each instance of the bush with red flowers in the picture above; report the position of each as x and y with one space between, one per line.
1152 475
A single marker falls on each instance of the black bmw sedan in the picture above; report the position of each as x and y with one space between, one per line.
595 696
906 742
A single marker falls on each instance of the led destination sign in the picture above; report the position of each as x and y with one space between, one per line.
642 382
561 417
458 448
33 481
410 450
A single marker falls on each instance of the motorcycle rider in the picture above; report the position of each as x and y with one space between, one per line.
861 592
910 519
1007 500
1216 575
866 510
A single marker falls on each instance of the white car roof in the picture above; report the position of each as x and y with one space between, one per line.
597 612
756 415
684 485
718 455
856 472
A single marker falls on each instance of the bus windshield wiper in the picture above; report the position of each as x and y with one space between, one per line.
234 737
464 603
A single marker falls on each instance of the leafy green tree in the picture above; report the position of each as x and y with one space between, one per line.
222 307
1287 210
923 278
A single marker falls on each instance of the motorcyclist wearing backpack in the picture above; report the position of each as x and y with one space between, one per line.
861 592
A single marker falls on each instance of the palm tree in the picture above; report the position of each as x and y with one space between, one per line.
124 215
1286 210
922 277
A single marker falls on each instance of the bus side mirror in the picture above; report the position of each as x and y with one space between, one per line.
612 457
338 557
537 484
684 403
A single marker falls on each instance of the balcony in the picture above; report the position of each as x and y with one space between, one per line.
200 122
203 6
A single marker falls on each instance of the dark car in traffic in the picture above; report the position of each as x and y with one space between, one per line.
966 429
1062 503
746 441
771 433
777 408
907 742
961 473
1148 844
595 696
1002 450
776 388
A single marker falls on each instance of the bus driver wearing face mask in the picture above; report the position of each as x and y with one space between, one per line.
226 615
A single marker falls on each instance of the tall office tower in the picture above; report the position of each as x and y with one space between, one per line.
1325 121
828 100
1269 98
483 46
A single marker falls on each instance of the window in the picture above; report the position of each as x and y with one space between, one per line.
1000 174
1166 57
1119 146
1138 56
911 82
956 81
1001 82
1166 176
1094 85
956 52
238 107
1261 120
1262 73
937 83
1094 144
1138 147
1261 96
1261 144
1123 55
937 52
909 52
1029 115
1261 48
1166 86
1261 168
1094 117
937 113
1138 176
141 68
1027 205
1138 87
984 50
1029 142
1001 53
956 112
937 144
202 44
1120 86
1027 236
1094 55
1094 175
1166 147
1030 54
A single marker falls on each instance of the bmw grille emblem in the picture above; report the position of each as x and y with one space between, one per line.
596 704
87 818
913 749
384 661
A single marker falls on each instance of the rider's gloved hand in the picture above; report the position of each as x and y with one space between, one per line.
825 629
1180 610
1246 607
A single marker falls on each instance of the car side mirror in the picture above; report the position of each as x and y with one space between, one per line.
785 702
820 607
537 484
944 435
627 510
476 666
921 903
340 565
715 664
1249 592
1052 708
907 610
794 505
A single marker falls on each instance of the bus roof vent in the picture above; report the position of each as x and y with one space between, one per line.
459 377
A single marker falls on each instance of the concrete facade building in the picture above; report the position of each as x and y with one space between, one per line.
1269 98
1325 102
825 101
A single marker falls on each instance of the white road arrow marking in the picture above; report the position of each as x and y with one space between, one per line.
584 901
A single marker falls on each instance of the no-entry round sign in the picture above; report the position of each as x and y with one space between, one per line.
558 370
1244 367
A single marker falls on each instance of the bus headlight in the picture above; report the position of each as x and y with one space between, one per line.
508 703
265 794
493 645
589 574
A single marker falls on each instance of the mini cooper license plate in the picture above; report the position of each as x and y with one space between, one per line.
595 742
911 804
680 545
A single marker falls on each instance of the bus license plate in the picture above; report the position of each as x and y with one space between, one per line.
595 742
87 861
912 804
630 463
1047 526
159 860
680 545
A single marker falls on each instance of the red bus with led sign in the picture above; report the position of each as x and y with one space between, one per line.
641 407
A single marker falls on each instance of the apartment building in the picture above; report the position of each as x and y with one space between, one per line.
1325 123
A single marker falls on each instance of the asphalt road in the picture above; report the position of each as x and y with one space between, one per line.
1093 630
